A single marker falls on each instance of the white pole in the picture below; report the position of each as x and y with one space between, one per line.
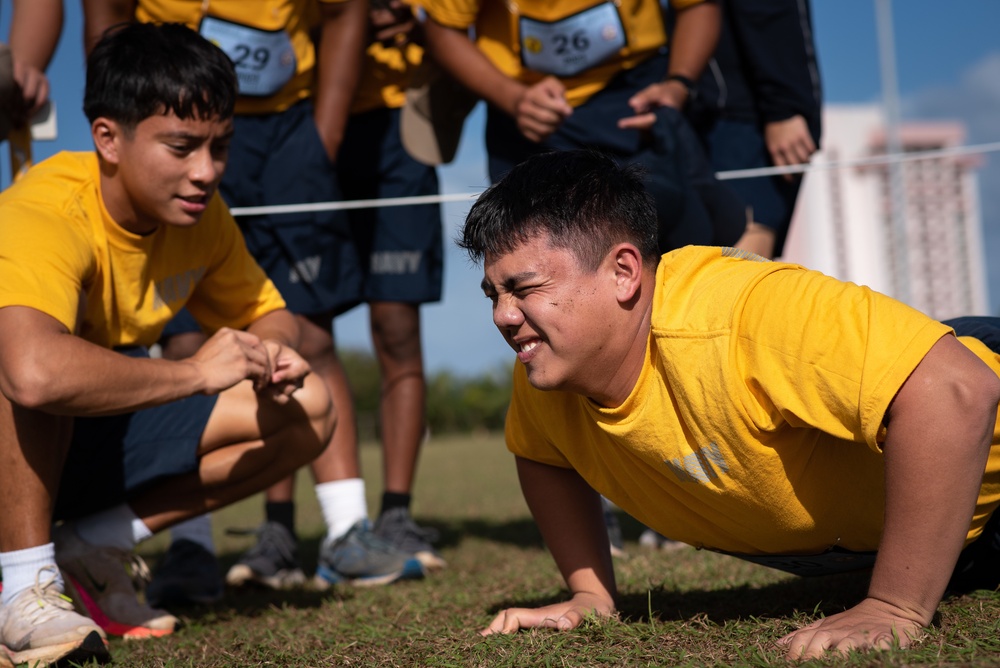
899 238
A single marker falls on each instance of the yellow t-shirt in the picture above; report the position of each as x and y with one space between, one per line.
293 17
756 423
498 26
61 253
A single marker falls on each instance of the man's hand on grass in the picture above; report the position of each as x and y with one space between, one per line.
872 624
561 616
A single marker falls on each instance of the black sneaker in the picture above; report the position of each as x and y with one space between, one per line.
187 574
396 527
273 562
361 558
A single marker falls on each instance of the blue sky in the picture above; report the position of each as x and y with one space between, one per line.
948 59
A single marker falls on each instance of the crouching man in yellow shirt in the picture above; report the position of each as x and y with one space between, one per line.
97 252
739 405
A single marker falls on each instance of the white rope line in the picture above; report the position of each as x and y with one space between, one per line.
860 162
350 204
722 176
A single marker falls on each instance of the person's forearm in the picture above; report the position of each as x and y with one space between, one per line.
99 15
280 326
338 59
937 442
568 513
696 33
34 31
59 373
456 53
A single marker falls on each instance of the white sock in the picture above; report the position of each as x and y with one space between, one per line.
20 569
197 529
343 503
115 527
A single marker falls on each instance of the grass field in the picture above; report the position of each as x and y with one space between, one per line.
686 608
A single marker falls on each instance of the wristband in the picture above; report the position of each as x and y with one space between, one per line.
684 81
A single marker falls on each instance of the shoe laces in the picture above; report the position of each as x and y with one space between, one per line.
47 600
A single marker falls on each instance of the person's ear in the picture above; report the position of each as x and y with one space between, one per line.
628 271
106 134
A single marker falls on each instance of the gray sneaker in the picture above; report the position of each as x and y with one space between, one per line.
273 562
39 626
108 584
361 558
187 574
397 528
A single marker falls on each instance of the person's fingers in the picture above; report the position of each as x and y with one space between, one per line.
637 122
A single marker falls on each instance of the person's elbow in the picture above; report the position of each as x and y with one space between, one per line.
27 382
973 391
984 391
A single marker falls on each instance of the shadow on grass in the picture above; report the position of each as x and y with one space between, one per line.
828 595
522 532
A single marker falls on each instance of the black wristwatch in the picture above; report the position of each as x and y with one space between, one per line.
684 81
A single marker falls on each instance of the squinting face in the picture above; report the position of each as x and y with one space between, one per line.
168 170
555 315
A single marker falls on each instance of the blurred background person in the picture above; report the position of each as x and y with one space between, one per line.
758 104
35 28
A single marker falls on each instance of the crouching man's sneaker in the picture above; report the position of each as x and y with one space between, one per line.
397 528
187 573
39 626
273 562
361 558
108 583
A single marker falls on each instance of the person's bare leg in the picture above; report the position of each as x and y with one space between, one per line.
339 487
246 446
33 447
339 461
395 328
37 621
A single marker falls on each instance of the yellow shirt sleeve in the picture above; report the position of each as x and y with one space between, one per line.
44 258
817 352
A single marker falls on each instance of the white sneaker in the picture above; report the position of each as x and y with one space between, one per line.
39 626
108 583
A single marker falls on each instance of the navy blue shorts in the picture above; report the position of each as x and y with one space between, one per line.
114 457
693 207
740 145
394 254
279 159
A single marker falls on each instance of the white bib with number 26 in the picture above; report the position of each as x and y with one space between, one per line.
571 45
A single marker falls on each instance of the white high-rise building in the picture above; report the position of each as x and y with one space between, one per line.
932 258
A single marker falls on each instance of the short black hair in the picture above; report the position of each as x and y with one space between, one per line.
582 199
138 70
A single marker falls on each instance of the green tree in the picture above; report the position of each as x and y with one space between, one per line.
455 404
